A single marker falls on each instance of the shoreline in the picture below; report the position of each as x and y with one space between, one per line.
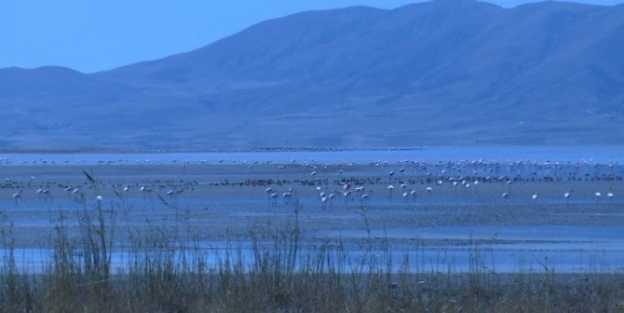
96 150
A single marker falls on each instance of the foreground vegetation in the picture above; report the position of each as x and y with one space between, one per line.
275 269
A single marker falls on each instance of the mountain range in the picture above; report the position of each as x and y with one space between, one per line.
443 72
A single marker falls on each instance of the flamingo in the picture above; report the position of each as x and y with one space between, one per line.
390 190
325 199
273 199
346 186
147 191
287 198
567 196
365 197
347 195
17 196
46 194
174 192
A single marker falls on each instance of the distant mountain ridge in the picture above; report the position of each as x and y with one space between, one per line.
444 72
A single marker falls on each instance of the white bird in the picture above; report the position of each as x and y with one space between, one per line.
287 198
146 190
44 193
567 196
174 192
17 196
273 198
323 201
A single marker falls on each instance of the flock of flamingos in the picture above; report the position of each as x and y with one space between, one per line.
283 183
413 180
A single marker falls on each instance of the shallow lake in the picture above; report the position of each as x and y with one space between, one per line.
524 236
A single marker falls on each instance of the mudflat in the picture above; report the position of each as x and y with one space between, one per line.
519 213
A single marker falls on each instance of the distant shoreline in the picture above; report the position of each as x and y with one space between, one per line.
286 149
121 150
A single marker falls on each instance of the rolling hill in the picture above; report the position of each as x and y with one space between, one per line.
444 72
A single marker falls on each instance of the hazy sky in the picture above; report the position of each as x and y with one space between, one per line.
94 35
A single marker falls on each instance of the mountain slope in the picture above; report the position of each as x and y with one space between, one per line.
440 72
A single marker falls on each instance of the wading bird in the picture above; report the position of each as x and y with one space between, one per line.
17 196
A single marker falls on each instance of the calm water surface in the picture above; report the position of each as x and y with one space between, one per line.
590 154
